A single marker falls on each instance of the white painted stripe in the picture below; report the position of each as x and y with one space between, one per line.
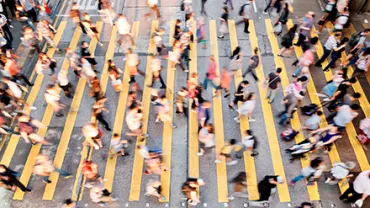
254 6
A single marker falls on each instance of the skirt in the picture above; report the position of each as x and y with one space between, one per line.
223 28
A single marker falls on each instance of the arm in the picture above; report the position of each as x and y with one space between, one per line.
333 139
338 48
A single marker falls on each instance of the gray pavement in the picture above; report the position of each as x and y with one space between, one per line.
135 10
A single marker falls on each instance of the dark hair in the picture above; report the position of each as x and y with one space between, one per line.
302 79
256 50
345 9
116 135
250 95
306 204
319 113
232 141
344 40
355 106
279 70
244 82
314 40
356 95
226 9
367 30
352 80
293 30
235 52
249 132
131 93
68 201
316 162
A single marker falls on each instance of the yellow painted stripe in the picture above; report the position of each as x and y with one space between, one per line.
218 121
68 128
270 124
9 151
295 122
137 170
120 115
27 171
167 129
193 122
249 165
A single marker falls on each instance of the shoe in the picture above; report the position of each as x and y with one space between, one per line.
227 95
318 65
68 176
173 126
231 107
11 26
146 172
33 108
280 55
59 115
108 129
291 183
102 204
233 162
252 120
114 199
254 154
218 161
48 181
199 154
230 198
186 70
31 85
28 190
294 75
271 101
126 154
221 37
246 32
145 135
101 44
264 12
237 120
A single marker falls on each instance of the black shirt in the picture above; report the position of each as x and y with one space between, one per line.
265 183
343 90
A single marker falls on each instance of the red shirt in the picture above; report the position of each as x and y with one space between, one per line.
211 71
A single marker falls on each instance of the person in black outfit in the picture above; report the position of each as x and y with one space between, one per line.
98 109
203 11
337 53
8 178
267 184
85 53
11 4
239 94
275 3
340 93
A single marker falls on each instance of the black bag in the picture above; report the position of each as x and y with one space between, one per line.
289 134
309 110
182 6
241 10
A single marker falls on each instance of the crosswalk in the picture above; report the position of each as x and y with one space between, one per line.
221 174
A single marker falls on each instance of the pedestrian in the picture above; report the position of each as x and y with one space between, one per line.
340 171
97 111
92 135
156 68
75 14
313 122
9 177
132 64
327 136
14 71
85 53
153 5
31 40
342 20
211 74
46 31
236 60
45 62
64 83
359 190
87 71
250 142
268 186
4 25
95 89
345 114
11 5
204 113
206 138
28 128
287 41
182 101
337 53
191 190
272 83
22 17
240 94
117 146
246 109
362 64
44 167
133 120
305 61
330 12
132 99
225 81
163 111
201 33
52 97
124 30
43 15
239 183
90 28
154 189
357 42
247 12
340 92
226 152
331 44
223 22
350 99
230 2
29 6
203 11
90 171
312 173
284 15
305 28
290 102
74 61
253 64
101 196
115 75
275 4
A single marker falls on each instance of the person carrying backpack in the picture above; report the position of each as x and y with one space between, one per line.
357 41
246 12
253 63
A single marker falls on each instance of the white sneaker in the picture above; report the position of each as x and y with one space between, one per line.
326 99
186 71
218 161
230 198
237 119
33 108
264 12
252 120
233 162
101 44
199 154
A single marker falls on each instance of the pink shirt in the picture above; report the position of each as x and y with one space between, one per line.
211 71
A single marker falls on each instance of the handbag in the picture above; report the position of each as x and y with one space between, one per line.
47 8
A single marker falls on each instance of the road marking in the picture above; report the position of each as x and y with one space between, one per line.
27 171
167 129
137 170
193 122
120 114
14 139
218 120
313 191
68 127
249 165
270 124
87 4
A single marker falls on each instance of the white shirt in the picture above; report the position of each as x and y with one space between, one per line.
132 59
133 120
51 97
63 79
152 2
15 89
155 65
87 70
362 183
331 43
123 26
247 107
248 142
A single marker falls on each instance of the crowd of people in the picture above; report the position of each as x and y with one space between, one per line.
340 103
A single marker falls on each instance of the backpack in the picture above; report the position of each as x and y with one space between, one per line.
309 110
256 60
355 38
241 10
288 134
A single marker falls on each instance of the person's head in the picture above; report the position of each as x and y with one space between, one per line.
69 203
338 35
211 58
302 79
236 51
344 40
355 107
286 6
69 50
367 31
352 80
251 96
225 9
210 127
319 113
315 163
280 179
2 168
178 21
310 14
244 83
293 29
314 40
132 94
255 50
50 86
279 70
84 44
356 95
308 204
232 141
249 132
116 136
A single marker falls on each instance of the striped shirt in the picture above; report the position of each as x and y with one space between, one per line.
331 43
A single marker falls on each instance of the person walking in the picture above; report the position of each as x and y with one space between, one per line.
240 94
231 4
203 11
92 135
287 41
359 190
331 44
85 53
153 5
44 167
124 30
52 97
201 33
311 173
29 6
250 142
97 111
268 186
206 138
22 17
275 4
46 31
337 53
223 22
253 64
9 177
225 152
4 25
90 28
211 74
330 12
272 83
305 28
64 83
246 109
